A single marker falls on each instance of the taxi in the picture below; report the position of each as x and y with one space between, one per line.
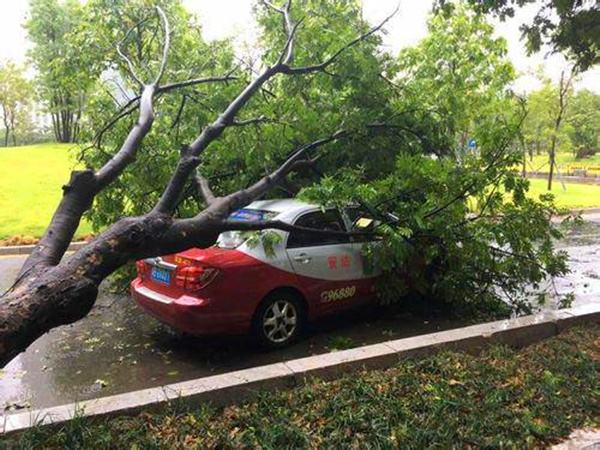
242 285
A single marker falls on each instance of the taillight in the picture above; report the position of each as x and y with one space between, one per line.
192 278
141 268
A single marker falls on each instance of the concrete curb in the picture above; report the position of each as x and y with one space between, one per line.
584 439
13 250
584 211
234 387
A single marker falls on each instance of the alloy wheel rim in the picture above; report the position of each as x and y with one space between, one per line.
279 321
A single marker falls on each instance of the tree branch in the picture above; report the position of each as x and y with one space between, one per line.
252 121
238 225
189 161
323 65
132 103
213 218
126 154
130 66
243 197
204 189
195 81
288 28
166 45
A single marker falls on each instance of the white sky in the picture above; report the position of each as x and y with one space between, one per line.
224 18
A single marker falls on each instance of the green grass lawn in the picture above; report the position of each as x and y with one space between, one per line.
573 196
564 160
31 178
503 398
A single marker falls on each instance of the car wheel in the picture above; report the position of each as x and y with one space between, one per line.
278 320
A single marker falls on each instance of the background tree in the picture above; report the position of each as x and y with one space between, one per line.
15 100
565 91
538 125
571 27
458 72
583 119
63 74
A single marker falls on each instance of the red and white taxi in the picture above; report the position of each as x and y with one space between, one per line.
237 286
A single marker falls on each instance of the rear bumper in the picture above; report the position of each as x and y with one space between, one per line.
190 314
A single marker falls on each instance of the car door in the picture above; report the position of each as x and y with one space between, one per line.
360 221
325 265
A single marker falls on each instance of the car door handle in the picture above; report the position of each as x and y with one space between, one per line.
302 258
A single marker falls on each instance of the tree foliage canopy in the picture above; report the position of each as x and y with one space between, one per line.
410 118
580 131
15 102
571 27
64 73
464 230
583 123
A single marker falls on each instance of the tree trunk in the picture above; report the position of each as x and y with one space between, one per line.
563 97
552 158
12 129
45 297
31 309
63 119
6 125
524 149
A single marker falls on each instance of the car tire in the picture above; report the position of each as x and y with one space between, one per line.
279 320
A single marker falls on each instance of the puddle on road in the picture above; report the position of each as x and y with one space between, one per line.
118 348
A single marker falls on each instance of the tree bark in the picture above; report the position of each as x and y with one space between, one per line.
51 296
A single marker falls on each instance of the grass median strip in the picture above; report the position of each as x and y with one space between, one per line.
501 398
567 195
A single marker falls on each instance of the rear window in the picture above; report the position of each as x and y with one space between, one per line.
251 215
233 239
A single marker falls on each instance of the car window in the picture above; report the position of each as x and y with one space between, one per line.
361 221
320 220
234 238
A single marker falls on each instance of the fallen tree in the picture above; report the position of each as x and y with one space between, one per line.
51 291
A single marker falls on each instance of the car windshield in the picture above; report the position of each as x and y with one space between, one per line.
233 239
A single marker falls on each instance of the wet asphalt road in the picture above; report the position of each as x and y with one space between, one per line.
118 348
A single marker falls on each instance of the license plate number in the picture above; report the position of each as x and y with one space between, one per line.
161 275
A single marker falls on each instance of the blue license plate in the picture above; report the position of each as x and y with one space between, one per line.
161 275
